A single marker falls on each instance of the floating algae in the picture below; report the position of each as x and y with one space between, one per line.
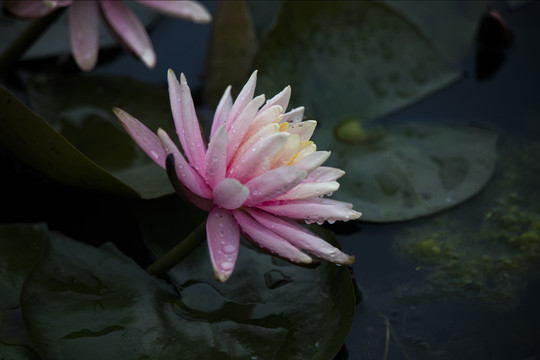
487 249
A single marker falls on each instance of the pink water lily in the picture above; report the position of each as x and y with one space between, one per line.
259 173
127 28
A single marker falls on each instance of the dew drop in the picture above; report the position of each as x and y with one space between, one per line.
226 265
229 249
154 154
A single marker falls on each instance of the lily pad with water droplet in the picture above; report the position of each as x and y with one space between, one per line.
81 302
411 170
348 59
307 312
20 247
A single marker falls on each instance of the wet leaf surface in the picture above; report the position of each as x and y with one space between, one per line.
348 59
401 171
371 64
80 302
299 304
20 247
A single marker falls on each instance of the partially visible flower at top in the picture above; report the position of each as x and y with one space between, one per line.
127 28
258 173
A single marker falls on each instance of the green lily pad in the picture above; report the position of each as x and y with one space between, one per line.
308 310
413 169
450 25
348 59
26 135
488 250
80 302
79 109
20 247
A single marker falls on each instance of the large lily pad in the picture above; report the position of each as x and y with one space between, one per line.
308 310
450 25
349 58
80 302
413 169
20 247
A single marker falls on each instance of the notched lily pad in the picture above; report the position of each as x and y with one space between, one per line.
79 108
415 169
306 312
80 302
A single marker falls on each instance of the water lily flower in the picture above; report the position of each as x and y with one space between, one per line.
127 28
258 175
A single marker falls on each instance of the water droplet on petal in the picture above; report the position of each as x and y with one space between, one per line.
154 154
229 249
226 265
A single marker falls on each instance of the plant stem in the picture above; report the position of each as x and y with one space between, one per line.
26 39
177 253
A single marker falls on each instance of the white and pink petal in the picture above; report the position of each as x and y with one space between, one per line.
186 174
186 122
222 111
273 183
281 99
301 237
311 160
223 237
84 33
256 161
188 10
144 137
269 240
312 210
303 129
243 98
324 174
216 157
239 127
309 190
294 116
230 194
129 30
